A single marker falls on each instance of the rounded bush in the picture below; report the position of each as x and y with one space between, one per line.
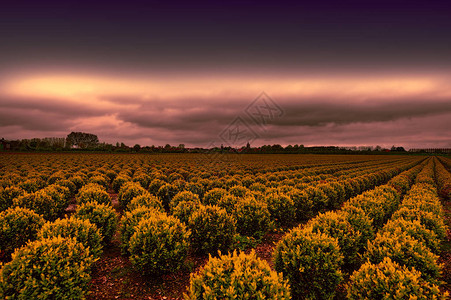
405 250
212 229
18 226
119 181
361 223
183 196
68 184
252 217
42 203
336 225
33 184
213 196
302 203
93 192
82 230
239 191
311 262
237 276
428 219
415 230
101 215
101 180
7 196
281 208
155 185
147 200
389 280
159 244
129 191
53 268
167 192
185 209
128 223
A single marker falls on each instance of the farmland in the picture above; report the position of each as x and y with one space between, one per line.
136 226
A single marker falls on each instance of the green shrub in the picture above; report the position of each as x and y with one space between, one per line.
185 209
281 208
336 225
147 200
389 280
68 184
166 193
93 192
311 262
212 229
101 215
53 268
302 203
252 217
41 202
7 196
237 276
415 230
361 223
79 182
101 180
82 230
196 188
427 219
155 185
318 198
143 179
239 191
183 196
129 191
159 244
213 196
119 181
17 227
405 250
129 221
33 184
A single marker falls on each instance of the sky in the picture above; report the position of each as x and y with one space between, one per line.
344 73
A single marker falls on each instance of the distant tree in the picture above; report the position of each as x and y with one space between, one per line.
82 139
136 148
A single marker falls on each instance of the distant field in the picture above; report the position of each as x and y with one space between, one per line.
138 226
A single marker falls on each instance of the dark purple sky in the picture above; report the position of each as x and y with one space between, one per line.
157 72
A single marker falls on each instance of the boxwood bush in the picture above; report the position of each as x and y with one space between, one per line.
237 276
311 262
159 244
336 225
101 215
52 268
129 191
406 251
93 192
7 196
129 221
147 200
252 217
212 229
389 280
17 226
82 230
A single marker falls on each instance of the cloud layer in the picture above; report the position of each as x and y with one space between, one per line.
411 111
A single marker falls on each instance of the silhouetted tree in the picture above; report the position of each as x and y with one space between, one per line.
82 140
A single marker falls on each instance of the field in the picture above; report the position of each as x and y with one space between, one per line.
174 226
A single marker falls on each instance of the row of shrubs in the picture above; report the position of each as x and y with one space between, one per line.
315 257
53 259
402 260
